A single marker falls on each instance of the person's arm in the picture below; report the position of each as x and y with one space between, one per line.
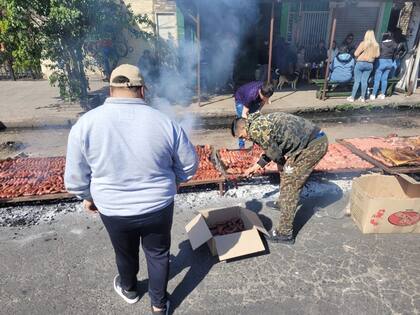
359 50
403 50
332 66
245 111
77 174
184 157
260 164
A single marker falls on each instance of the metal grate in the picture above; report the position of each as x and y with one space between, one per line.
314 28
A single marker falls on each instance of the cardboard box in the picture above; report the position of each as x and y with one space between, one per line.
386 204
231 245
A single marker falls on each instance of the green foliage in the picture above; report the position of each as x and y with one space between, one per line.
69 25
58 30
20 36
345 107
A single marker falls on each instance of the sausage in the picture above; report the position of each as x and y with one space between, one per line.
31 176
206 168
228 227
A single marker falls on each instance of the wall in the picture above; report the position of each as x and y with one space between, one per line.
166 19
138 45
370 15
413 26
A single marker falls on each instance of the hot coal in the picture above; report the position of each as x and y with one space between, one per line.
253 195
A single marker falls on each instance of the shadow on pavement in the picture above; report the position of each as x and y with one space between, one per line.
257 206
199 263
309 206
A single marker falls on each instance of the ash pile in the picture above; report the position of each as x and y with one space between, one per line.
254 194
27 215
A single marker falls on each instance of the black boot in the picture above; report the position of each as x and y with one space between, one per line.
273 205
275 237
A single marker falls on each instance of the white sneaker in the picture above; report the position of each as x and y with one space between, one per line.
372 97
381 97
130 297
350 99
362 100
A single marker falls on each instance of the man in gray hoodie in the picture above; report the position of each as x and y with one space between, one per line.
125 160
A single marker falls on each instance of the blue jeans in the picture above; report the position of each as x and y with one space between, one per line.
381 75
362 72
396 67
239 108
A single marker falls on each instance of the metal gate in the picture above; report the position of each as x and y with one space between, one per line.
314 27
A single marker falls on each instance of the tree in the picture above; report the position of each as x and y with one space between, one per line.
19 37
58 31
70 24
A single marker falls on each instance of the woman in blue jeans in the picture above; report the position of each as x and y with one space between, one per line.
366 54
385 65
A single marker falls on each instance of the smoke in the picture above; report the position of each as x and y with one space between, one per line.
224 27
187 121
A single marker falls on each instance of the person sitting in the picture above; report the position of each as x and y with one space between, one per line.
320 53
334 51
349 42
300 60
318 57
342 66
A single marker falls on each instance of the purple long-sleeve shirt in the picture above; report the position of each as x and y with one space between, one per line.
249 93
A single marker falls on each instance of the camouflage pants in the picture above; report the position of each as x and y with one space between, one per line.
292 178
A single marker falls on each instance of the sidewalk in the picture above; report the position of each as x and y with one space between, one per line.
26 104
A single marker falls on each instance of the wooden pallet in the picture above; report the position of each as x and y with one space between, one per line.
348 85
36 198
275 173
379 164
238 177
219 181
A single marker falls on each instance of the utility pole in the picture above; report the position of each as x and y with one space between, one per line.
270 49
327 71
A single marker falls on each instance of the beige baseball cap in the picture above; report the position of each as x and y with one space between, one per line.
126 76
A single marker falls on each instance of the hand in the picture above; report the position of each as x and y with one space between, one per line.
280 167
90 206
251 171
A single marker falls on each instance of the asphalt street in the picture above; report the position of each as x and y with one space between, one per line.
66 266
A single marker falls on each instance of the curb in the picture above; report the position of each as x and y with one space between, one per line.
207 120
30 124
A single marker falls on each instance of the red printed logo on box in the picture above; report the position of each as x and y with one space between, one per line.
377 216
404 218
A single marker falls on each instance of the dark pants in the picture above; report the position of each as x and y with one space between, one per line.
154 230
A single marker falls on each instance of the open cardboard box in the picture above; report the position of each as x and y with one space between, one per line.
386 204
230 245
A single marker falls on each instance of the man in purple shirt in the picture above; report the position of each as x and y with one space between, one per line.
250 98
